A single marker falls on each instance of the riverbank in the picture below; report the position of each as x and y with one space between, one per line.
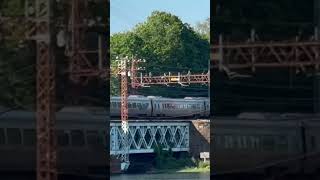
168 162
200 168
195 170
162 176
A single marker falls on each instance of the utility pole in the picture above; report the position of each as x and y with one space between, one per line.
41 29
144 81
316 14
41 32
122 67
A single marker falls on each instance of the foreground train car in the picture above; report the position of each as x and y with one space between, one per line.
259 145
255 142
80 136
141 106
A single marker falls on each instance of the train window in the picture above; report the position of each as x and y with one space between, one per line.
134 105
14 136
93 138
228 142
139 105
254 142
62 138
2 137
217 142
242 142
77 138
282 143
104 138
129 105
268 143
145 106
114 104
29 137
313 143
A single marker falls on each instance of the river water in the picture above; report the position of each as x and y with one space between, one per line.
173 176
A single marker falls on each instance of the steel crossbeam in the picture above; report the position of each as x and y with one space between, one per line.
144 137
185 79
301 55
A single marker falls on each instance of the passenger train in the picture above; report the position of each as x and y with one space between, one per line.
81 139
264 143
237 144
152 106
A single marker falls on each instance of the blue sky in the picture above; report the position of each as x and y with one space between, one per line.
125 14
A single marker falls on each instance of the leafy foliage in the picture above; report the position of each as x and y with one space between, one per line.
166 43
166 160
203 28
16 73
18 59
273 19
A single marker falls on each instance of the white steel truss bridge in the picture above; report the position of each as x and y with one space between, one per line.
145 136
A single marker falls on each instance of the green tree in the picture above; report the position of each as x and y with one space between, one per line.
203 28
18 58
166 43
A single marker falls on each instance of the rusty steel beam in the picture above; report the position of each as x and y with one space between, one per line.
123 72
300 55
41 32
82 68
170 79
146 80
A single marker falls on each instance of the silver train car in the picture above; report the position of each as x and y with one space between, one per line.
152 106
265 144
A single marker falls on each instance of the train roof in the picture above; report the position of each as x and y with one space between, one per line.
65 114
276 116
159 98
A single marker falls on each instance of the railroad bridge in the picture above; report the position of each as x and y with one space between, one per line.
180 135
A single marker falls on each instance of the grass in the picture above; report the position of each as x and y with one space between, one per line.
165 162
201 167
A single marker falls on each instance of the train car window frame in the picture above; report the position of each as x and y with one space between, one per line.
18 140
93 138
313 142
2 136
282 143
63 138
242 142
29 137
228 142
255 142
139 106
267 146
217 142
104 137
146 105
80 142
